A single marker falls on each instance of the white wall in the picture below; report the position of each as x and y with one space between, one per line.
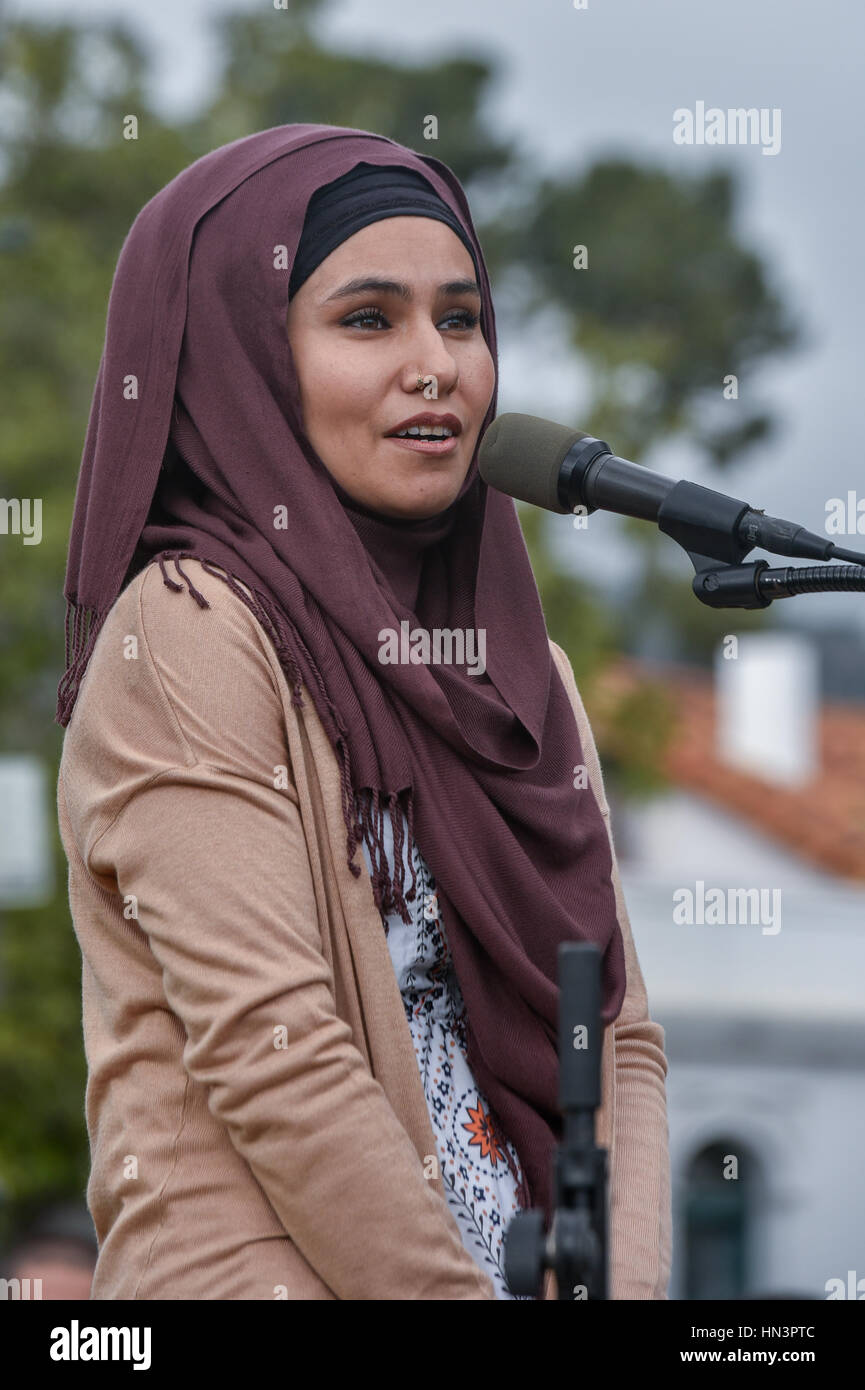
765 1034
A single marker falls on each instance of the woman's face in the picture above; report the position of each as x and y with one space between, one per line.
358 352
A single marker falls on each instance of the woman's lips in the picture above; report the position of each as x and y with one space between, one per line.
427 446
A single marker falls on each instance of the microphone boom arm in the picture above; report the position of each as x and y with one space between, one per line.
710 527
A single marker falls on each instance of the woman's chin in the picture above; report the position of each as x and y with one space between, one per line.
414 499
419 504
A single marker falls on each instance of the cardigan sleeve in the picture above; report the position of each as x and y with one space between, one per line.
640 1200
216 858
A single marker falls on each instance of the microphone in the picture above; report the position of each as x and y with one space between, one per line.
562 469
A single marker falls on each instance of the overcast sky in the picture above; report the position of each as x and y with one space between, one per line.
581 84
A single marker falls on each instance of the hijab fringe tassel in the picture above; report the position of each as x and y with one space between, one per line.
363 815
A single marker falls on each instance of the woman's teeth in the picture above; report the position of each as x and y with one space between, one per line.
423 432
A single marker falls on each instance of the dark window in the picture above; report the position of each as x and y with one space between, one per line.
717 1221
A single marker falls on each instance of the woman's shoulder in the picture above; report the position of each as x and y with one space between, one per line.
178 603
171 682
191 627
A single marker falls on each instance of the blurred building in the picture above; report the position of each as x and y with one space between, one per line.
745 883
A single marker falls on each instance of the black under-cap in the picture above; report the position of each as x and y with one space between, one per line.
367 193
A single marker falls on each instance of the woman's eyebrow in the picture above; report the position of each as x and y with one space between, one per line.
366 283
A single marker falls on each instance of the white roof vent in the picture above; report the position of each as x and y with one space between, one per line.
768 706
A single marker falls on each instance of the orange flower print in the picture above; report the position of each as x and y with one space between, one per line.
482 1132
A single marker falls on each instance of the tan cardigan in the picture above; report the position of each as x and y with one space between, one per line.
257 1122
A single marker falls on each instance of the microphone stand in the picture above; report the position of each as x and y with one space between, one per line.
711 528
714 530
576 1248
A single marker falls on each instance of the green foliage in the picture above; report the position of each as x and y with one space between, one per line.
575 620
71 188
633 736
672 303
668 308
669 304
43 1142
634 729
278 74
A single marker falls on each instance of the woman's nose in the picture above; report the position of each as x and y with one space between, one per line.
428 354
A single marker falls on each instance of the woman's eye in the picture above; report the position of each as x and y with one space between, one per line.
359 316
462 317
465 318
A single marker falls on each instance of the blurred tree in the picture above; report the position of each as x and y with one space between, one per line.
277 72
70 186
672 302
668 305
634 728
667 308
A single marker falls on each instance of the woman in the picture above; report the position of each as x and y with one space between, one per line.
306 1080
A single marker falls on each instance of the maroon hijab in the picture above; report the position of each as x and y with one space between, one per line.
195 436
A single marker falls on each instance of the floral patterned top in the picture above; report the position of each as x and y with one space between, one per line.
481 1190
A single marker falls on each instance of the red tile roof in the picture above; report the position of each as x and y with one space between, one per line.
822 821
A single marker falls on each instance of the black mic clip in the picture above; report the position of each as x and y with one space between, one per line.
711 527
